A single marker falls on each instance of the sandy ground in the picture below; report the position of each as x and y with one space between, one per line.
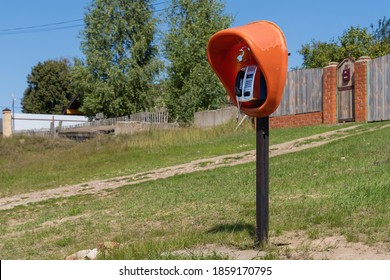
298 246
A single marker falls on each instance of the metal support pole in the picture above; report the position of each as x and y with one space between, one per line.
262 163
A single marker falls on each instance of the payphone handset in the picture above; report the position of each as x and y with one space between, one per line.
250 87
245 83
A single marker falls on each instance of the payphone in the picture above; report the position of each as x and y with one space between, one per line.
251 62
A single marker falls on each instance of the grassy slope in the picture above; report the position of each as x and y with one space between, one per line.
342 187
35 163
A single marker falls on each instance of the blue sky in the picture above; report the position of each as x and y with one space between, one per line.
21 49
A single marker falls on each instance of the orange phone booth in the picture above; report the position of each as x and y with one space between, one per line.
251 62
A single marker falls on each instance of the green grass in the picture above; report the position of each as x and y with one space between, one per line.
340 188
36 163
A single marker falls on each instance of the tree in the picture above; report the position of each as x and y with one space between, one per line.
117 76
354 42
382 32
382 37
191 84
49 88
319 54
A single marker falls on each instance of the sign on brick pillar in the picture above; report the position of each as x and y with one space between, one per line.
329 92
361 84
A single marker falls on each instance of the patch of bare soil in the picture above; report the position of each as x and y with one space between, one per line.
336 247
95 187
297 246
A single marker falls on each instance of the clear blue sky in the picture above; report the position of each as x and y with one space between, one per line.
21 49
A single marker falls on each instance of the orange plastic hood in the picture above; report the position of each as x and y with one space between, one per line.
267 49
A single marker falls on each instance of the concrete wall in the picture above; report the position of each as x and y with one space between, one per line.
132 127
212 118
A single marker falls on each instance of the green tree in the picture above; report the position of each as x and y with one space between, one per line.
49 88
354 42
382 37
117 76
382 32
191 84
319 54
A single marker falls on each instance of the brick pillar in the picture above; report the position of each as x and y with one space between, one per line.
361 87
329 93
7 123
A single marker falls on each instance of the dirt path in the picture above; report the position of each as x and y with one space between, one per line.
93 187
298 246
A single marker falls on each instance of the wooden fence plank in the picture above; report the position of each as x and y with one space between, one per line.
387 88
302 93
379 89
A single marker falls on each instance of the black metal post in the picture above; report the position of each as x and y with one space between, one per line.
262 163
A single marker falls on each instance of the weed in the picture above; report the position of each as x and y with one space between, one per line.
270 255
75 210
65 241
313 233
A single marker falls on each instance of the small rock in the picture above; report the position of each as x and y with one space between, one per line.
82 255
92 255
103 248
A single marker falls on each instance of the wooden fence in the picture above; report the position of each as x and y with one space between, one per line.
145 117
302 93
378 98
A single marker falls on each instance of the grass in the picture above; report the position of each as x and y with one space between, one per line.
36 163
340 188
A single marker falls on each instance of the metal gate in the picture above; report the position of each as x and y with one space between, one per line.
345 90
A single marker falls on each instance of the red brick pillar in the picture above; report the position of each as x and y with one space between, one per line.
329 93
361 84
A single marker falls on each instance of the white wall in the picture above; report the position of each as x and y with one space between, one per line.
42 122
